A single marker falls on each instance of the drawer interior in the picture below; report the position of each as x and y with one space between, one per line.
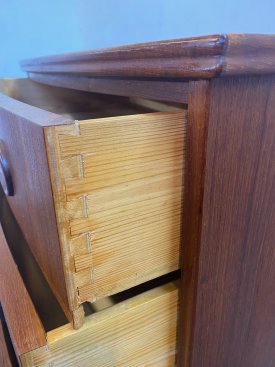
77 104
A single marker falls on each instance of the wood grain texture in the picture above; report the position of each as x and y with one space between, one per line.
162 90
21 129
137 332
24 324
197 57
59 100
189 57
117 185
5 360
234 322
198 108
250 54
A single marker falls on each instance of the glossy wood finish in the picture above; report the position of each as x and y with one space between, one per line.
189 57
197 57
233 320
26 332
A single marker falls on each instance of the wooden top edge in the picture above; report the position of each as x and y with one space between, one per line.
196 57
187 57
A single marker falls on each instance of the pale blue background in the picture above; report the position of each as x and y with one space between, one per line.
33 28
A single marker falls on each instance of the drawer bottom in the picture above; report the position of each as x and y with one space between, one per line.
140 331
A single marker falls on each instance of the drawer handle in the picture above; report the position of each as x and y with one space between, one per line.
5 174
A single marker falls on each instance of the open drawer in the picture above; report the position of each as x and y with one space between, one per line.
95 184
134 328
140 331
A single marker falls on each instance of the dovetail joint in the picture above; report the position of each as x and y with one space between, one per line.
85 206
81 166
77 128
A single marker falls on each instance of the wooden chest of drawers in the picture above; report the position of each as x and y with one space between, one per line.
140 160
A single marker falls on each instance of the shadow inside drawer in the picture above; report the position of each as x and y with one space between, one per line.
7 353
41 294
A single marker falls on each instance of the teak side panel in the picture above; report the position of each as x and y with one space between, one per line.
138 332
21 130
117 184
24 324
234 321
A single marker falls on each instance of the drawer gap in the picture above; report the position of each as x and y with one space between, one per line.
106 302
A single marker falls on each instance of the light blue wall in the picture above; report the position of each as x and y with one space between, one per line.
33 28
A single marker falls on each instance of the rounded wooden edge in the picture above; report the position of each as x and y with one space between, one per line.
187 57
196 57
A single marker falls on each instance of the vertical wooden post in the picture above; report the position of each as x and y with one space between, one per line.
198 110
229 276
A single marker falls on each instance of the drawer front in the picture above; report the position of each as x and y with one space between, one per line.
117 186
22 137
138 332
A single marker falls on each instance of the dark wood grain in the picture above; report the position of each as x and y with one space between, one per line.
21 130
162 90
24 324
198 107
234 320
189 57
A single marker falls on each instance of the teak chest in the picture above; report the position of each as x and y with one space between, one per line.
125 169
